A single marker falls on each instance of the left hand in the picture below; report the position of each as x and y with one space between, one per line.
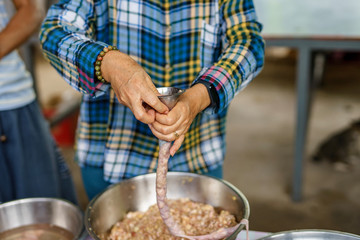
178 120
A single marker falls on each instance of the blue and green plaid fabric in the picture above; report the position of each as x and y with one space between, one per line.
178 43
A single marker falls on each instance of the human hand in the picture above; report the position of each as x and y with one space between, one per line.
173 126
132 85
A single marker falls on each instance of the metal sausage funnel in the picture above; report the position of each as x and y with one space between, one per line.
169 95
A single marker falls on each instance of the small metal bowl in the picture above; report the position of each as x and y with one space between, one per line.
311 234
138 194
53 211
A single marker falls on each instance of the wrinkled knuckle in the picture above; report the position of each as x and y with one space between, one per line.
172 138
147 79
170 120
140 116
166 131
121 98
153 102
186 122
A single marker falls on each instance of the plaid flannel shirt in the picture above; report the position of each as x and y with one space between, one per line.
177 43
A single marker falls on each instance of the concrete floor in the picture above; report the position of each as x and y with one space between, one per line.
260 144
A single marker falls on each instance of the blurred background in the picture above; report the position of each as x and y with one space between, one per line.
262 121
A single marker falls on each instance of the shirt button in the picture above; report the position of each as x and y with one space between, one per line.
168 29
3 138
167 66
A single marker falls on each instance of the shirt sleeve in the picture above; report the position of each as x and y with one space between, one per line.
243 55
67 36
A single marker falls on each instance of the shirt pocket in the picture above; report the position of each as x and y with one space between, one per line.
210 44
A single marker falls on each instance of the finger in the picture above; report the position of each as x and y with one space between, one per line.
166 137
178 113
159 135
150 98
142 115
176 145
151 112
167 129
167 119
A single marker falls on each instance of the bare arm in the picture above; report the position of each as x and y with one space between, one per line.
28 16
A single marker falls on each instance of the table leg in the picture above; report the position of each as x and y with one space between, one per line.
303 105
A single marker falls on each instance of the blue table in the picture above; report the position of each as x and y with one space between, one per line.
308 26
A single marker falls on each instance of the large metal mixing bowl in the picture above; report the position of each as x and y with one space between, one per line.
28 211
138 194
311 234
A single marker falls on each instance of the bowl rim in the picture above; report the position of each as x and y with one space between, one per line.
47 199
38 199
173 173
299 231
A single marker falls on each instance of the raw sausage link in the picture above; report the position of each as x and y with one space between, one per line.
164 154
174 228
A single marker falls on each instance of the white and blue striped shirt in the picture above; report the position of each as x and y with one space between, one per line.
15 81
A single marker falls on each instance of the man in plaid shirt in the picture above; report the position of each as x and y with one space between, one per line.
213 49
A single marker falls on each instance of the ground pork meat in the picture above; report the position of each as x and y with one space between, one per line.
193 217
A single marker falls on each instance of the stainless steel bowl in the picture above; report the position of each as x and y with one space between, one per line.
138 194
53 211
312 234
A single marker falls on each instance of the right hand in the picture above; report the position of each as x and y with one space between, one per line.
193 101
132 85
